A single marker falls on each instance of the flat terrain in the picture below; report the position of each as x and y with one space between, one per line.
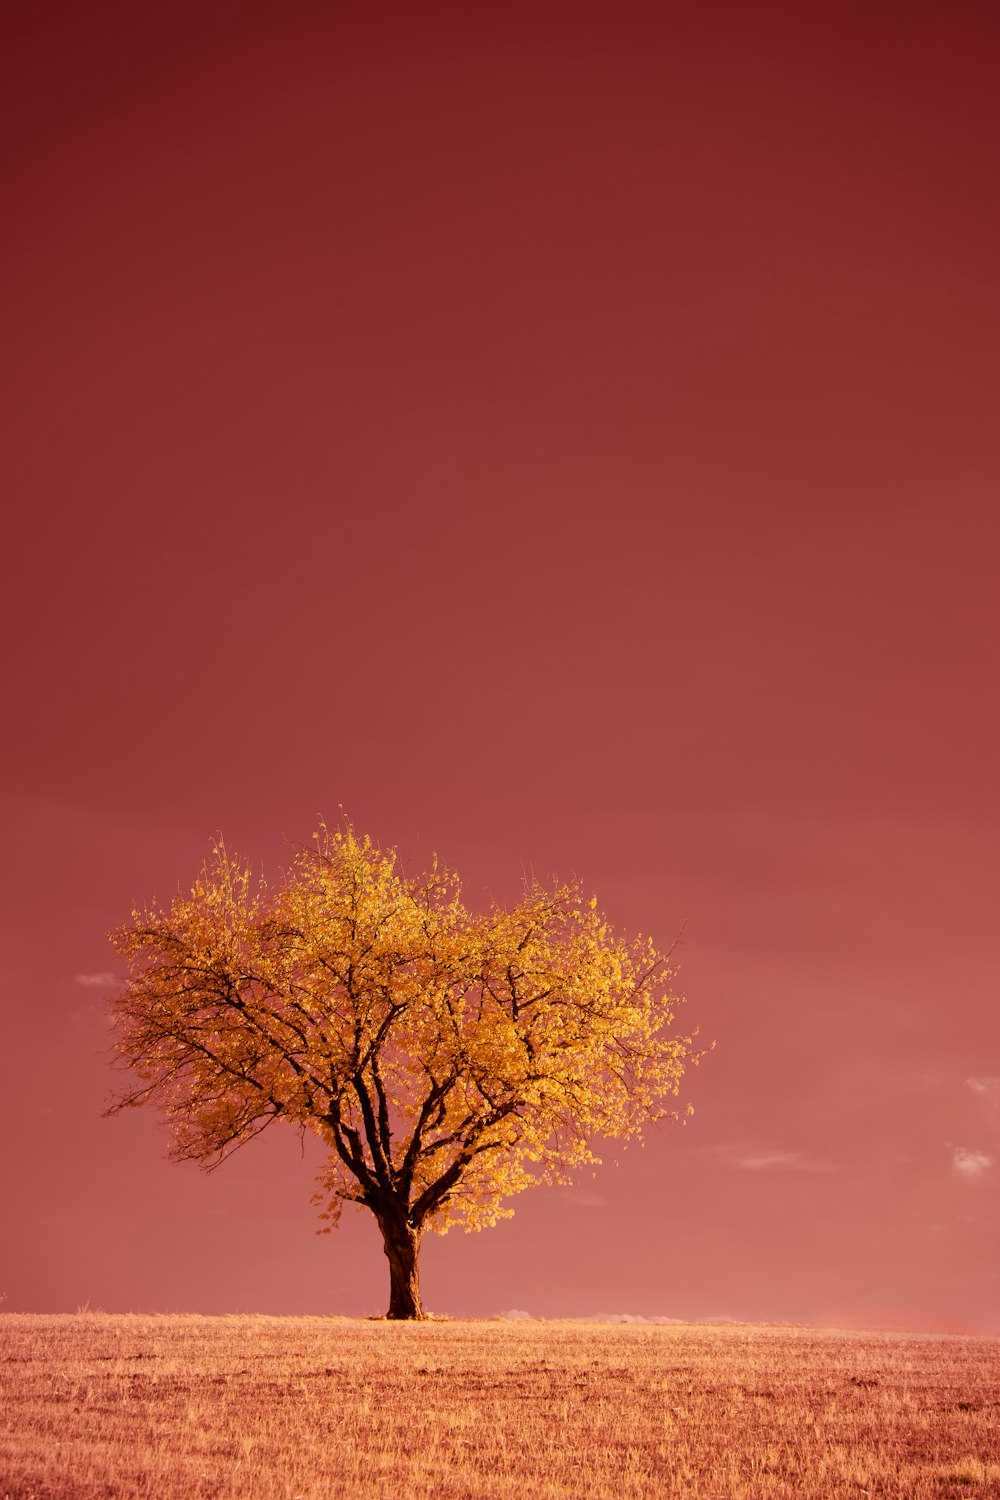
246 1407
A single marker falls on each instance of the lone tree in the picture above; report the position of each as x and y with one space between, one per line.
447 1060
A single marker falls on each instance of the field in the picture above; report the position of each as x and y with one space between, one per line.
243 1407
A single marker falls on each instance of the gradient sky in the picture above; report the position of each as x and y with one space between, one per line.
567 437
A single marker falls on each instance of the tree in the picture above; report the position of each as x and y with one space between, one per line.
447 1060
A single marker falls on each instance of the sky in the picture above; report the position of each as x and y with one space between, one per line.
564 437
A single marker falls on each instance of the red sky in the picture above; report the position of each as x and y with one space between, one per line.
566 437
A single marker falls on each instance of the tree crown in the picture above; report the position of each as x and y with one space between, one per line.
447 1060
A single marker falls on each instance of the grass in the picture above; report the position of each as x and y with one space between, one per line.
256 1408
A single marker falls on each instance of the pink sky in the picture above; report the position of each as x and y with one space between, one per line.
565 436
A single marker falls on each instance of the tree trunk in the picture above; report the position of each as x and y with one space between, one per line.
402 1245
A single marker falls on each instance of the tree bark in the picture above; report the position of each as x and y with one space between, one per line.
402 1245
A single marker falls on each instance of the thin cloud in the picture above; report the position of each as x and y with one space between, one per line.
970 1164
581 1198
986 1092
517 1315
102 981
749 1158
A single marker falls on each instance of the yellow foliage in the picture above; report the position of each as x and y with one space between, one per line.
448 1060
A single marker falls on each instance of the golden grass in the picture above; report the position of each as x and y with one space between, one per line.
250 1408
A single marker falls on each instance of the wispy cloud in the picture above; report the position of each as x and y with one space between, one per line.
102 981
517 1315
970 1163
754 1158
986 1092
581 1198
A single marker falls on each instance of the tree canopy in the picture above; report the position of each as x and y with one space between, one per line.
447 1060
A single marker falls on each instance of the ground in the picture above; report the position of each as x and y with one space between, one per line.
237 1408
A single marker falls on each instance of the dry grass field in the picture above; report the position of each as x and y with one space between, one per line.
245 1407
